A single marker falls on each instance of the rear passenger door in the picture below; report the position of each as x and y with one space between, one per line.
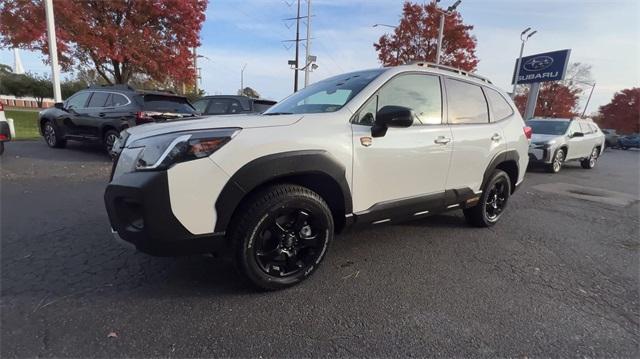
476 140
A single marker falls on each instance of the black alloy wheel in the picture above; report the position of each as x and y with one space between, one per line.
280 235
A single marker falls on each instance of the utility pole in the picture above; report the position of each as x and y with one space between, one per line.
53 50
242 79
295 76
593 86
307 63
195 69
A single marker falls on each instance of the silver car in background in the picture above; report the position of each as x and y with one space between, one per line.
557 140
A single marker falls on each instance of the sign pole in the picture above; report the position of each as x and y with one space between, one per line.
515 80
532 100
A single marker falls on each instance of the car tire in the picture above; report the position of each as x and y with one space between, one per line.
108 139
492 203
590 162
51 136
281 235
557 161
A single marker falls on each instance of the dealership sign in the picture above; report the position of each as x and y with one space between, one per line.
550 66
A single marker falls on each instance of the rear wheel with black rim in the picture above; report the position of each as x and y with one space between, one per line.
52 137
493 201
590 162
281 235
557 161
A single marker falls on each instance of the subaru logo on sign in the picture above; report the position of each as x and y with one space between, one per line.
548 66
538 63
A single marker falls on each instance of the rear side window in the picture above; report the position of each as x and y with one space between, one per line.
500 108
98 99
201 105
173 104
117 100
261 107
466 103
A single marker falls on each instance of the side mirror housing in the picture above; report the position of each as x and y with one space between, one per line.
59 105
391 116
577 134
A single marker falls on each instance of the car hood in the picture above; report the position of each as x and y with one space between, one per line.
539 138
211 122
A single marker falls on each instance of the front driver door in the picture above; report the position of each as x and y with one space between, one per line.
75 108
404 172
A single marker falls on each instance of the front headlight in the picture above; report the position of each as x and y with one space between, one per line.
163 151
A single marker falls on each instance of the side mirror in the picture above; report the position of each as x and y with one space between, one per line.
391 116
59 105
577 134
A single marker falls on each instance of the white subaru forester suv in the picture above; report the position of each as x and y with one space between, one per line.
363 148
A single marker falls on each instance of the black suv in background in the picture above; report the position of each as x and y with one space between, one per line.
99 113
230 104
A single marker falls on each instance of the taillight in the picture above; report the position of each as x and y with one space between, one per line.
143 117
4 137
528 132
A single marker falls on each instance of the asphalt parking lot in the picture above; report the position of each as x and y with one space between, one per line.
558 276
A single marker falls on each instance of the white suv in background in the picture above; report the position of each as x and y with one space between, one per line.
557 140
363 148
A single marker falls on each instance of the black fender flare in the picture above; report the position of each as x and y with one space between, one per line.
505 156
271 167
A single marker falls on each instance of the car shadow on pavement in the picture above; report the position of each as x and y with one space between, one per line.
73 152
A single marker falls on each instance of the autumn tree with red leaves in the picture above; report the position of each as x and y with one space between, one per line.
623 112
416 39
118 38
554 100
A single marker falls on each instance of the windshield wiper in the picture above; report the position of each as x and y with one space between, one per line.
277 113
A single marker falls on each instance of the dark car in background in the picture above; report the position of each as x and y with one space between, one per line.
630 141
229 105
98 114
610 137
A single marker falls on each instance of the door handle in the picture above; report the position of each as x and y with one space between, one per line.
441 140
496 137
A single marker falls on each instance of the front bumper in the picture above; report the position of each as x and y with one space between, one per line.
540 153
140 213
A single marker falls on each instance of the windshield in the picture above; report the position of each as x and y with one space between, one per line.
328 95
548 127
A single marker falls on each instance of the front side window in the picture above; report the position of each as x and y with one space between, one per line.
78 100
98 99
500 108
466 103
419 92
574 127
586 129
328 95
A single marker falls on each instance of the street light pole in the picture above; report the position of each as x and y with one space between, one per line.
588 99
517 72
53 50
451 9
308 47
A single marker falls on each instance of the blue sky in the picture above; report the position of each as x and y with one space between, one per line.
605 34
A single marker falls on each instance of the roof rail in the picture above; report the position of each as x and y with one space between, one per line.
116 86
449 68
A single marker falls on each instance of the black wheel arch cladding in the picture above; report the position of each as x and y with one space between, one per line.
508 161
316 168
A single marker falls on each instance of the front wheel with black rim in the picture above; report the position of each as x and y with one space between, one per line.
281 235
557 161
493 201
52 137
590 162
109 139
